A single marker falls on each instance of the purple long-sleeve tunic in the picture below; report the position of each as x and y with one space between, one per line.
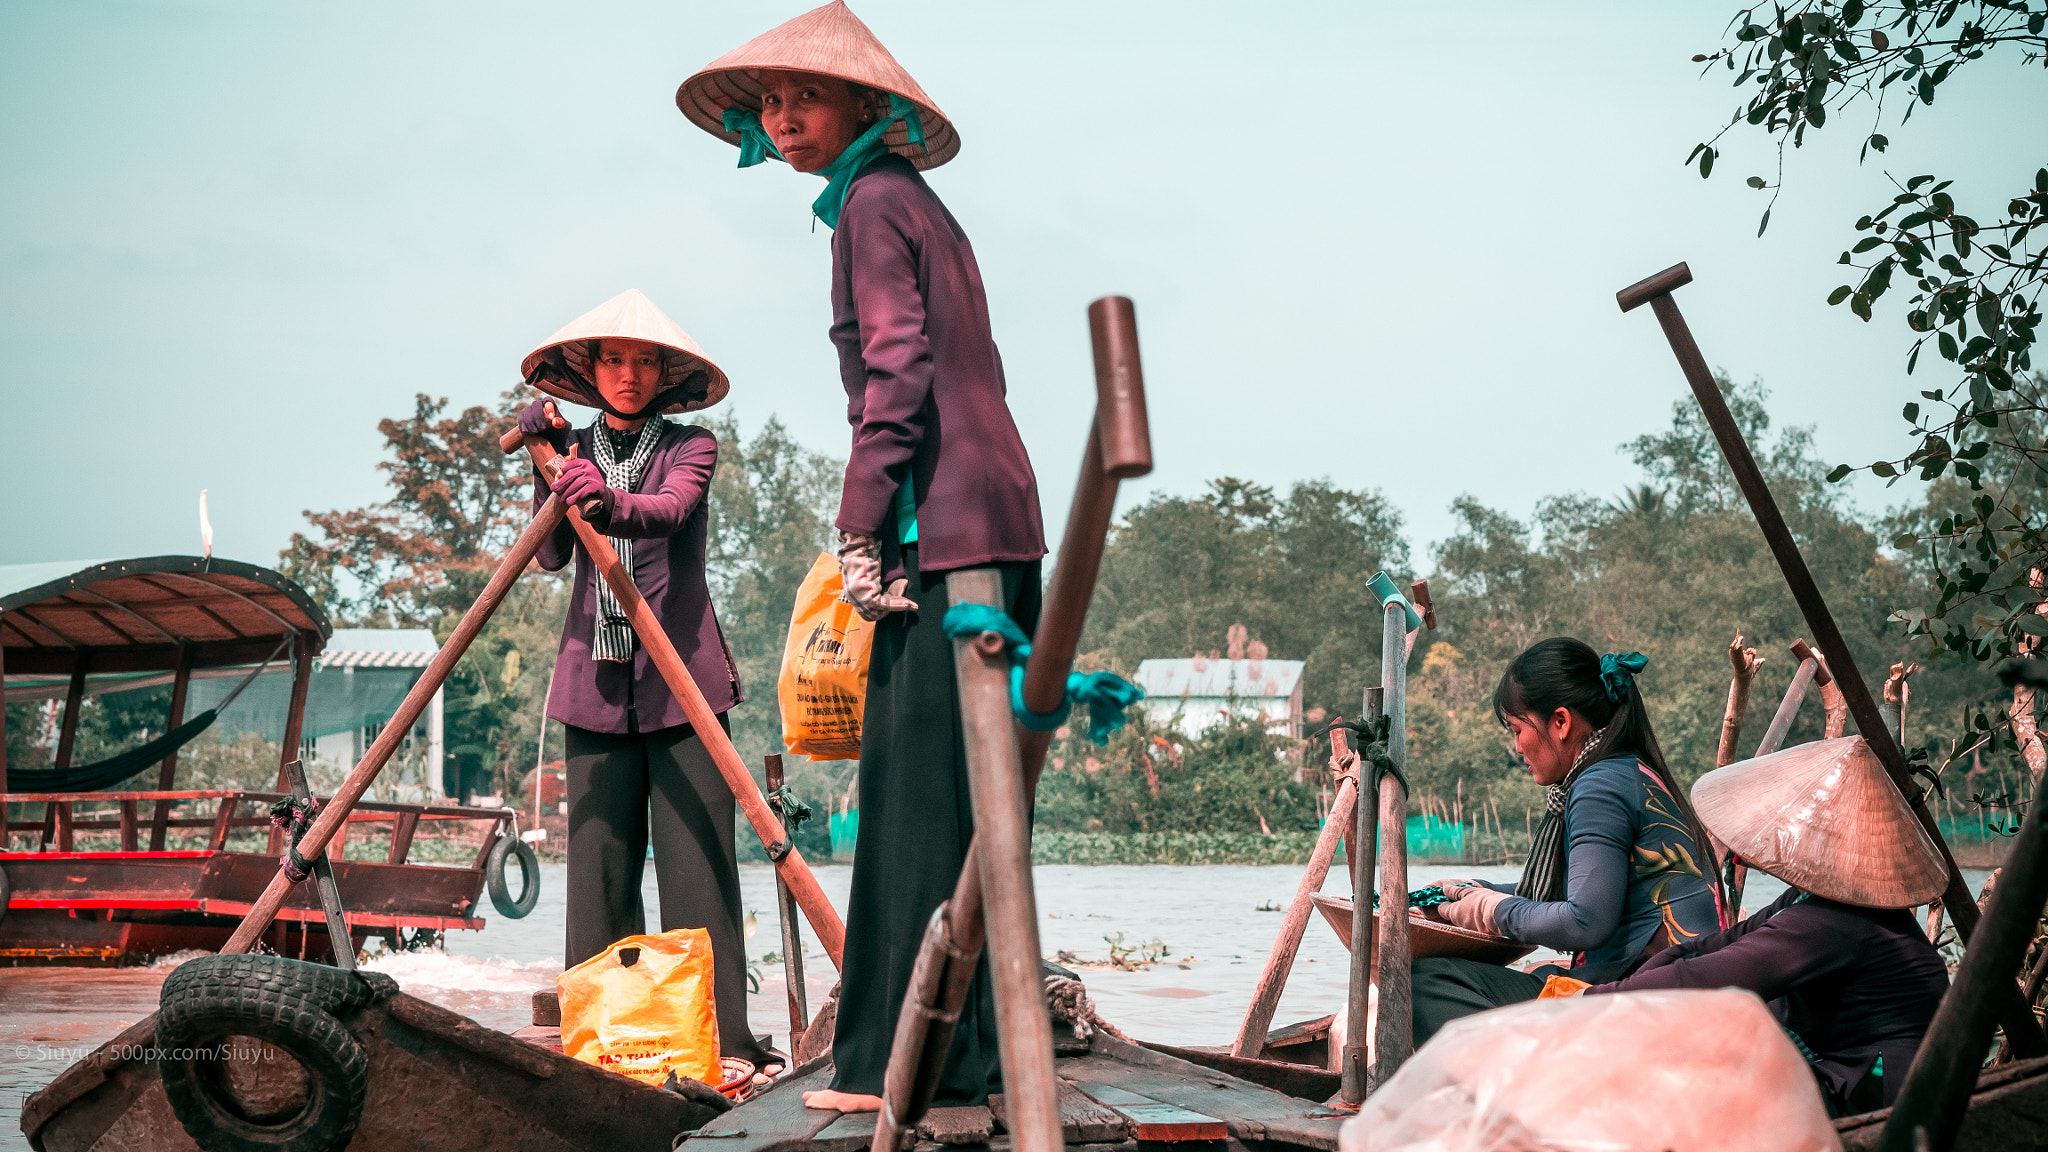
1854 983
667 518
924 382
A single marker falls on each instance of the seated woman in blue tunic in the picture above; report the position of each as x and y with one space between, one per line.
1839 956
1620 868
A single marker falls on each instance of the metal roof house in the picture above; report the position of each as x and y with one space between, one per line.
358 682
1202 691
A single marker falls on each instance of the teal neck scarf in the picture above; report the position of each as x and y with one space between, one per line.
755 146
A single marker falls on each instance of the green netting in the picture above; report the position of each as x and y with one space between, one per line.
338 700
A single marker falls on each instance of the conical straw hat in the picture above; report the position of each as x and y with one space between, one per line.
1824 817
829 41
560 367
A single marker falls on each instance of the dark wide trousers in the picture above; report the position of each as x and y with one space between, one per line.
1446 988
613 781
916 819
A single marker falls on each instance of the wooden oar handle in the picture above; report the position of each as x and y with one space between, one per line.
544 453
1820 668
1120 419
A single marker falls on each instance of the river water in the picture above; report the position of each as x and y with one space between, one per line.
1211 924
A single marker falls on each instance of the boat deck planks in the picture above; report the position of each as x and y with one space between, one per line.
1251 1112
774 1119
1082 1121
965 1126
1155 1122
849 1132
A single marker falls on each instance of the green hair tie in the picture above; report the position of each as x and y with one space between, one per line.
1618 670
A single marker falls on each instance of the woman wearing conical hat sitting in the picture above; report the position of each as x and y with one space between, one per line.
1839 955
629 747
1620 868
937 480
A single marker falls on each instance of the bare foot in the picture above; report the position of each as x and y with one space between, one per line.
831 1101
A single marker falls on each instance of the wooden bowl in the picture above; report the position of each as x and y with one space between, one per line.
1430 937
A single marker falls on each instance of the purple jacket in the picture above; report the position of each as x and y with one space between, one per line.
1853 982
666 516
924 382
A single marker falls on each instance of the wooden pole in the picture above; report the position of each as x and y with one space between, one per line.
1251 1036
167 775
2023 1032
295 712
1937 1088
789 863
1788 708
1746 662
792 932
1363 842
1119 447
74 700
6 832
1393 1037
1002 822
338 938
359 779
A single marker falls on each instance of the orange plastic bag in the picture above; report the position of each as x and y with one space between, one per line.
824 683
645 1006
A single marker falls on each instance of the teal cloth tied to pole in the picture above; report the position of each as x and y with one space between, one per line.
755 146
1105 694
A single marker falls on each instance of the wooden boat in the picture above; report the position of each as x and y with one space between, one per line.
106 882
1428 936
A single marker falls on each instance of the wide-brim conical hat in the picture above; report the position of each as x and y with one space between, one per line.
1826 818
828 41
560 367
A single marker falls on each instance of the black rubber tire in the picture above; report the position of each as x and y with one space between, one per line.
289 1004
6 891
529 874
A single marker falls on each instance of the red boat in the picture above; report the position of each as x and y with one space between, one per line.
112 877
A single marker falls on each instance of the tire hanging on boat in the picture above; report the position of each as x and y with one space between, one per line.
529 878
213 1003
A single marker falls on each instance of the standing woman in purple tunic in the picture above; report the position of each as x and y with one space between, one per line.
937 480
630 749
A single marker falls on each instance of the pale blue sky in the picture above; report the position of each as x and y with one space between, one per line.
1371 242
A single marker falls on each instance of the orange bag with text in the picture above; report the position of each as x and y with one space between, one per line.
644 1007
824 683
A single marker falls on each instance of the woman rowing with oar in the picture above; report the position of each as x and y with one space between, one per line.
1848 971
629 747
937 480
1620 868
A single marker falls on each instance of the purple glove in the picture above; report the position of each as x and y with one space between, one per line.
540 418
579 480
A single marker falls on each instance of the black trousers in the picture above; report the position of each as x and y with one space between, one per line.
613 781
916 819
1445 989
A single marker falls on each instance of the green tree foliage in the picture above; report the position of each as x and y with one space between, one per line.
1179 571
1154 778
1976 284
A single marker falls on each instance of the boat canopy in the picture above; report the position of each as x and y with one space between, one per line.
132 616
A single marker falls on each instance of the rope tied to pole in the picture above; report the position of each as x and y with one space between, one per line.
794 811
294 817
1372 748
1105 694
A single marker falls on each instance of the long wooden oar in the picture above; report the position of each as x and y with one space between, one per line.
1251 1035
1119 448
789 863
1809 672
336 811
2022 1031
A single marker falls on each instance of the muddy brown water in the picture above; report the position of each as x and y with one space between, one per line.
1195 939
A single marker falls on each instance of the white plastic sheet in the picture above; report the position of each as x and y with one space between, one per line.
1689 1071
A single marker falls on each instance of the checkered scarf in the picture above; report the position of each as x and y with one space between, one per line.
612 636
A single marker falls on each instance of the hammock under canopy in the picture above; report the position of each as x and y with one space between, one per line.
104 774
